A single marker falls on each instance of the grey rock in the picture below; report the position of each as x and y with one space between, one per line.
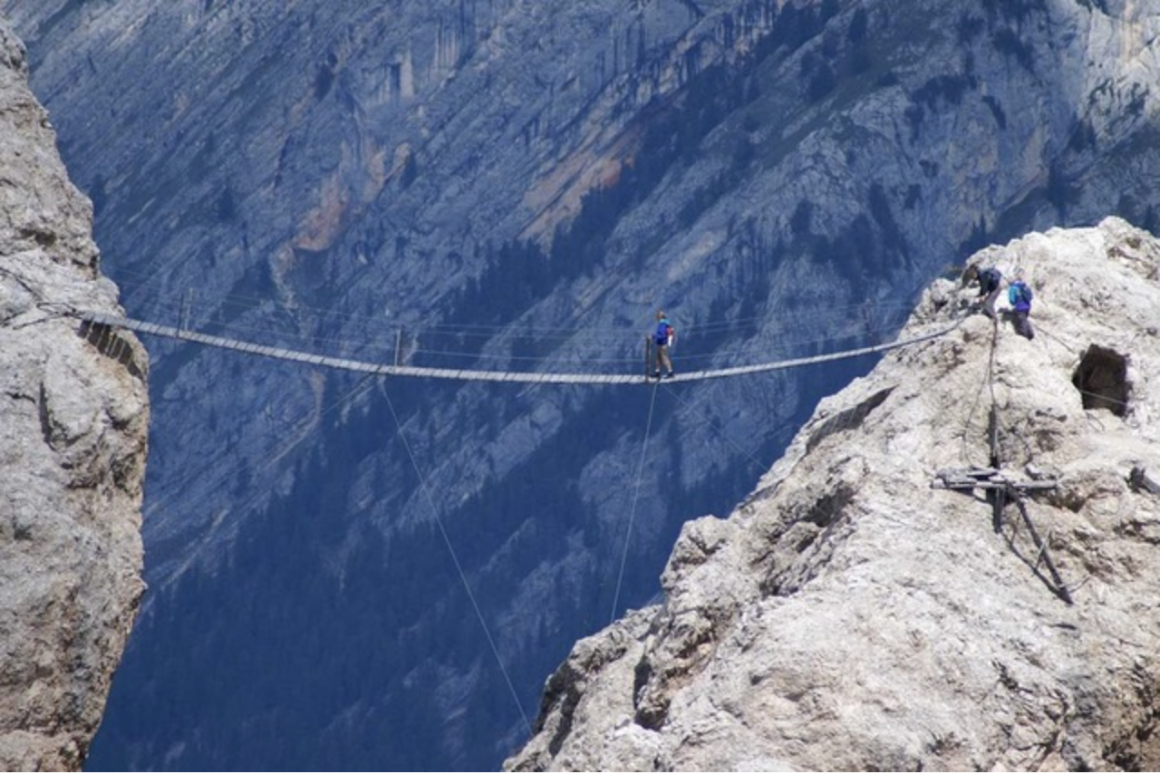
856 618
74 417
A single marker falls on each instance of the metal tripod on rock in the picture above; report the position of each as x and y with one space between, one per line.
1001 488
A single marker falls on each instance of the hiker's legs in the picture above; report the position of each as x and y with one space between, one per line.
989 303
663 360
1023 325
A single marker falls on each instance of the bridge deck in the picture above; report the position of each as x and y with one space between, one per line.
528 377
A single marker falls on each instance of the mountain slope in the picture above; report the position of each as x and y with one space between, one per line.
516 184
73 420
846 616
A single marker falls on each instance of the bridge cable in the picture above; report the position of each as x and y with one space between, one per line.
455 560
139 326
986 383
635 497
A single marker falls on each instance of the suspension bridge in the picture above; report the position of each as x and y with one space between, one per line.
99 325
476 375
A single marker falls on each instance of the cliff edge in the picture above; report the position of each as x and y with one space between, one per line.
74 416
854 613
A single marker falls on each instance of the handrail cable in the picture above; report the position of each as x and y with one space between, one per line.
463 374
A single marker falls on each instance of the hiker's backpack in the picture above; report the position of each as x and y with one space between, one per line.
1019 291
989 279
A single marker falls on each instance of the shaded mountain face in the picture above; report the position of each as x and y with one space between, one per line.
512 185
74 417
855 613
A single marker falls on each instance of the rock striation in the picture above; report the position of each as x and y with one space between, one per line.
74 416
850 616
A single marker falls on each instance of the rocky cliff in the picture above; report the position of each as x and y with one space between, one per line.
514 183
850 616
74 416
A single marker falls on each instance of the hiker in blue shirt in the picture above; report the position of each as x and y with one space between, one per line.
662 338
1019 294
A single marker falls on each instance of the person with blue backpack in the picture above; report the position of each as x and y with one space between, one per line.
1019 294
662 339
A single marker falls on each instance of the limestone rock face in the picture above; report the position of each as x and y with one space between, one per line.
73 421
850 616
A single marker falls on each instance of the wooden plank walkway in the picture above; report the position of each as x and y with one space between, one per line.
474 375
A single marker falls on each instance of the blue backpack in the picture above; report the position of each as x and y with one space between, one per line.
1019 291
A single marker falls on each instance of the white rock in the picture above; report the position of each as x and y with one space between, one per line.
74 418
852 617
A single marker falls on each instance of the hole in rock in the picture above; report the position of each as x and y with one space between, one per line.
1102 379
